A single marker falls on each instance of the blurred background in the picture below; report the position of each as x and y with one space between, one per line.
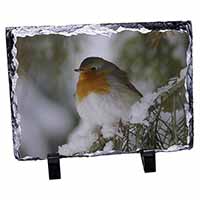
47 82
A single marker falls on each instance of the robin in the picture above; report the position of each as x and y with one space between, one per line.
104 95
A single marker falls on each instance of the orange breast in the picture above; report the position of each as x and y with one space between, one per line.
92 82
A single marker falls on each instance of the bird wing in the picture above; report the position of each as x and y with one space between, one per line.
122 77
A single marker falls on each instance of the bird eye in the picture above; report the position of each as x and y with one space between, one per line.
93 68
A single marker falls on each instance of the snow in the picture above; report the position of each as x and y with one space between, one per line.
182 74
86 134
108 147
81 139
139 110
175 148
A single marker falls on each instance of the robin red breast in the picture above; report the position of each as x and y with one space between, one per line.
104 94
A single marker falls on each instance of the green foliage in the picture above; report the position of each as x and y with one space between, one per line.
152 56
162 130
46 61
41 53
156 57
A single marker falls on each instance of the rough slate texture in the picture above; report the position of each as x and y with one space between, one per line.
103 29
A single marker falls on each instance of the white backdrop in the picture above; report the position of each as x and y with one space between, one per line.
109 177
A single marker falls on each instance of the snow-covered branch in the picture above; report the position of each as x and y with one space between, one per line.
157 121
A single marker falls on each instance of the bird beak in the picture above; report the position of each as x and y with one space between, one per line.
77 70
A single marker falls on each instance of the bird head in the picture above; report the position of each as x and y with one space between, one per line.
94 64
98 75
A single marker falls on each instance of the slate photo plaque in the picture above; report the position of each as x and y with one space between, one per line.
99 89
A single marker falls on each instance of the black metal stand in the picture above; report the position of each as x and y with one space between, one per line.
54 166
148 161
